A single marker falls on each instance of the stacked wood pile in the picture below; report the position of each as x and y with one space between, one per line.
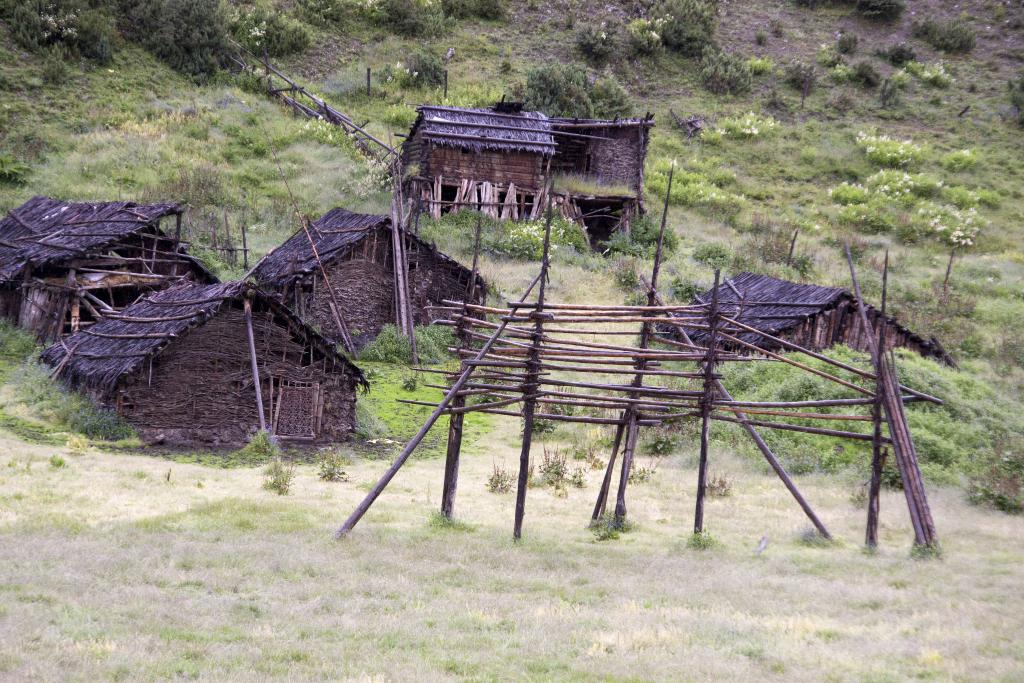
356 253
179 366
812 316
64 265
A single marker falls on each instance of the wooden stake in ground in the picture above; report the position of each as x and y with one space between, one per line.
247 306
877 451
530 386
707 401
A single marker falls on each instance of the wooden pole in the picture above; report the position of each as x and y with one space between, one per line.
631 415
368 81
530 385
446 84
402 457
877 452
792 247
247 305
706 405
245 248
602 494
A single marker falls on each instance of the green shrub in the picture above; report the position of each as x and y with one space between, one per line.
190 35
723 73
422 68
597 42
760 66
873 217
881 10
81 27
959 160
688 26
391 346
849 193
934 75
408 17
828 56
324 12
898 54
525 239
800 75
12 171
948 36
565 90
865 75
278 476
331 466
642 239
57 462
261 27
714 256
55 69
261 448
701 541
846 43
466 9
996 476
886 151
1016 89
644 36
501 480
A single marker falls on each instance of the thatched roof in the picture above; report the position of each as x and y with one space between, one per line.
775 306
45 231
118 345
335 233
480 129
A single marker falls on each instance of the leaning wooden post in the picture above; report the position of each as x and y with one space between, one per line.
606 482
631 415
245 248
367 81
531 385
707 403
877 451
441 408
247 306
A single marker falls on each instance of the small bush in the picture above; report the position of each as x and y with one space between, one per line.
828 56
748 126
261 447
718 485
261 27
688 26
408 17
723 73
898 54
611 100
331 467
12 171
500 481
644 36
761 38
565 90
996 477
953 36
190 35
846 44
759 66
525 239
553 468
701 541
934 75
886 151
714 256
1016 90
865 75
959 160
625 276
57 462
800 75
422 68
466 9
881 10
641 474
278 476
597 42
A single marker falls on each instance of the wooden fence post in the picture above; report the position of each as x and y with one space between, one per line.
707 402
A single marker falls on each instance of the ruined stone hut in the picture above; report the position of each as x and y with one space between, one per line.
177 366
812 316
66 265
356 252
499 161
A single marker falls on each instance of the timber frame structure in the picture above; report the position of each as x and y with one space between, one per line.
534 358
510 164
212 364
66 266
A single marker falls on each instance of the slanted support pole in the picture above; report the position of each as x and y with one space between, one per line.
247 305
707 401
877 452
531 386
602 495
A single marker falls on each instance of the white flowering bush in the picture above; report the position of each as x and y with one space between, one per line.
959 160
597 42
849 193
748 126
934 74
872 217
961 197
644 35
886 151
903 186
525 239
959 228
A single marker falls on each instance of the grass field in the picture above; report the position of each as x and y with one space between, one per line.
133 567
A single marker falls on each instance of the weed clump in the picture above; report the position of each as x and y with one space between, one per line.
500 480
718 485
57 462
724 74
953 36
391 346
278 476
701 540
609 527
441 523
688 26
331 466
